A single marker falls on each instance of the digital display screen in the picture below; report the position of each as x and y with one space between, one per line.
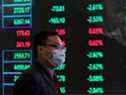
16 26
94 33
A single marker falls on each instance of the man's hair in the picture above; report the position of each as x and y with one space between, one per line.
41 38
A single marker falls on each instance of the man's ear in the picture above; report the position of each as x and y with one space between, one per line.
43 52
40 48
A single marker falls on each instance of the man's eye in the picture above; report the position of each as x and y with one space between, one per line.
55 46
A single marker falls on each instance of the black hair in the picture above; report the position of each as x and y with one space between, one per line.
41 38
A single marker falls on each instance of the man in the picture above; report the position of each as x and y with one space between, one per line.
49 51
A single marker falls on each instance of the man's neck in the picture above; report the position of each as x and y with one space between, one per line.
44 64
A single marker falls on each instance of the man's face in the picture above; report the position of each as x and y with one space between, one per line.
45 52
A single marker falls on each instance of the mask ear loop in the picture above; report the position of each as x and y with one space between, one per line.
50 56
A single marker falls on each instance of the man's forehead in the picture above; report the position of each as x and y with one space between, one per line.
54 39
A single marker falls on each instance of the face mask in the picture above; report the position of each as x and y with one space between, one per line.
58 57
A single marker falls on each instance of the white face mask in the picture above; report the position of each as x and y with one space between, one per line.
58 57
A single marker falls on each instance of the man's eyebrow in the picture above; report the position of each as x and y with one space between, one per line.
51 42
56 42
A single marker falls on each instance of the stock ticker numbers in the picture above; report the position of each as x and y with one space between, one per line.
57 21
14 62
56 16
95 53
16 16
0 15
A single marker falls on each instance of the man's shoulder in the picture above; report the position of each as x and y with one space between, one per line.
34 74
31 73
29 77
33 70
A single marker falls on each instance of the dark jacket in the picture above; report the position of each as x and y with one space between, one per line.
36 81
